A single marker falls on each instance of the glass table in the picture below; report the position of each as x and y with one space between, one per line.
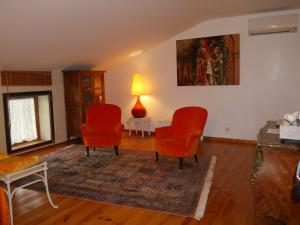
267 139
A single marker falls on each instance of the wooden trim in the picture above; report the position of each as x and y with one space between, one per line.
26 78
37 116
50 146
214 139
228 140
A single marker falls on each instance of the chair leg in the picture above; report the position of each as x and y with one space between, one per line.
87 151
94 148
196 158
181 163
116 150
157 157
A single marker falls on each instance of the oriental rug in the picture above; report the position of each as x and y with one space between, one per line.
133 179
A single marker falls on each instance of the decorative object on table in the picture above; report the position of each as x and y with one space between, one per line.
290 129
16 168
142 124
103 127
209 61
138 89
134 180
181 139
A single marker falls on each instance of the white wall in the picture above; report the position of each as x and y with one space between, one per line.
57 89
269 80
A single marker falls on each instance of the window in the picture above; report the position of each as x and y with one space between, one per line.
22 120
28 119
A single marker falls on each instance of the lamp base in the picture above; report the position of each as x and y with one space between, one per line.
138 111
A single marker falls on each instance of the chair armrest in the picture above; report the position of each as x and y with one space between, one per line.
86 129
191 136
162 132
119 128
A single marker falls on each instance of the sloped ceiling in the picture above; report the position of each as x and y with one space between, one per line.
59 34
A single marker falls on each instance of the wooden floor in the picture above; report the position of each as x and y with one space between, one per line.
230 202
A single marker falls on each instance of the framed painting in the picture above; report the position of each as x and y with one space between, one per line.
208 61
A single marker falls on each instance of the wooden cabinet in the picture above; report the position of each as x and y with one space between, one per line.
82 88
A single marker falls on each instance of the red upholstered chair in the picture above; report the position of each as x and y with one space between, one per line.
103 127
182 138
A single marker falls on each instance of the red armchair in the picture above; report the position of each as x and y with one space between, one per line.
182 138
103 127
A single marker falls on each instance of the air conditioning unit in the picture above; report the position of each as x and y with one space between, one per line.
273 24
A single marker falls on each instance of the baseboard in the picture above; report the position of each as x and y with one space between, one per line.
45 147
214 139
228 140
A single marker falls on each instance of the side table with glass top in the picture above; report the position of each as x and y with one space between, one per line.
265 138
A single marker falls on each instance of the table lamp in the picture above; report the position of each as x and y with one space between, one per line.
138 89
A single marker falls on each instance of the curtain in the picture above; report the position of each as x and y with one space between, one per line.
22 120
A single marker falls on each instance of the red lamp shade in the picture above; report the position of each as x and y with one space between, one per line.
138 89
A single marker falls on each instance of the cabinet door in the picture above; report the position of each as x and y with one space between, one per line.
98 88
72 91
73 118
73 101
86 92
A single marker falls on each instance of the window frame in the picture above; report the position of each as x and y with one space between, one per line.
34 95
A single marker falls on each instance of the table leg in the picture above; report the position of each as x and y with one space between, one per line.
45 180
9 198
258 163
130 128
149 125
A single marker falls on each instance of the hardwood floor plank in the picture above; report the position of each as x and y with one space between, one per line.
230 202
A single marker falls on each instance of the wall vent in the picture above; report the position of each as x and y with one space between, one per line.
273 24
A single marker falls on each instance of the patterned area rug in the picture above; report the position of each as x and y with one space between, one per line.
132 179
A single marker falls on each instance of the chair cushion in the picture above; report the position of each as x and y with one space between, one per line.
16 163
173 147
106 139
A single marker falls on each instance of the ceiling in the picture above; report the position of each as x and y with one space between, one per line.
60 34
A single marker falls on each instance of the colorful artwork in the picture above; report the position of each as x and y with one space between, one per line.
209 61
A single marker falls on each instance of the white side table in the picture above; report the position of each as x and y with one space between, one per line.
142 124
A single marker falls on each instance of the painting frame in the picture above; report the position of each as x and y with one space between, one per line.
208 61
